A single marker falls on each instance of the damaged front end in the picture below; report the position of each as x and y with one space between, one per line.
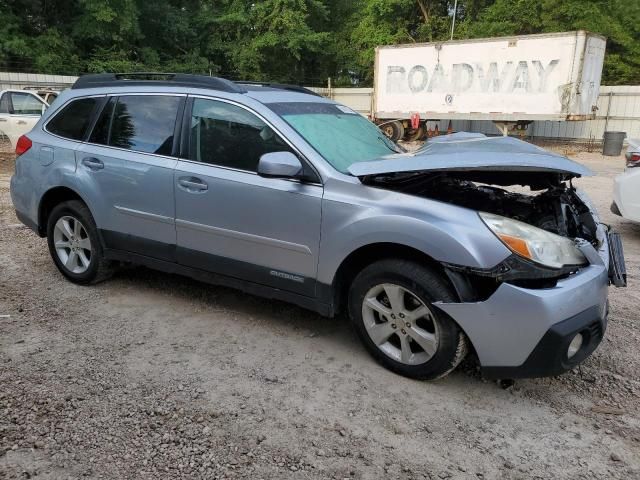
555 206
510 178
551 293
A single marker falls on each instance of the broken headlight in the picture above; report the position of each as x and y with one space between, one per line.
534 243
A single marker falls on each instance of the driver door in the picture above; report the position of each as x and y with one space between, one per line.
230 220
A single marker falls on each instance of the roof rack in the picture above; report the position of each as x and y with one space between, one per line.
156 78
280 86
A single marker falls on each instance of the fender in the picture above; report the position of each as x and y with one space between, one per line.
444 232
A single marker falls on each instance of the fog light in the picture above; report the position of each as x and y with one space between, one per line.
575 345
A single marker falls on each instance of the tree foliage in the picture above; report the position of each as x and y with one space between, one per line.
299 41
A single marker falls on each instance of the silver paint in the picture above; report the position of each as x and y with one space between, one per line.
304 231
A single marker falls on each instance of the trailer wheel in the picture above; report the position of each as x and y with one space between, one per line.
394 130
414 134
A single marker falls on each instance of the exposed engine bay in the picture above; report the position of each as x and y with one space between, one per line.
554 206
509 179
550 203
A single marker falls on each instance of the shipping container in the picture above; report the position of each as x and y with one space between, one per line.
553 76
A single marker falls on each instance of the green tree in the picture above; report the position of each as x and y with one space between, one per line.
384 22
272 38
298 41
618 20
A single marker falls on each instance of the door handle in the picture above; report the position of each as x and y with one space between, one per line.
92 163
192 184
3 119
21 122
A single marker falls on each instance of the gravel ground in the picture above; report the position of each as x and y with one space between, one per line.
153 376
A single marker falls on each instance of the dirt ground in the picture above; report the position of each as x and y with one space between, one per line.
152 376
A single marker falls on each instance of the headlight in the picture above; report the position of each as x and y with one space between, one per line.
534 243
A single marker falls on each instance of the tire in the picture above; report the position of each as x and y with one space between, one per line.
417 287
74 244
394 130
413 135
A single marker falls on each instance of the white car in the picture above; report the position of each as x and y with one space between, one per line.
20 110
47 94
626 187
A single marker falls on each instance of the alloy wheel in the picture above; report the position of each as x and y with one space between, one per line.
400 324
72 244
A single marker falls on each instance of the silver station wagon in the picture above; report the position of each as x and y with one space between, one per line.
279 192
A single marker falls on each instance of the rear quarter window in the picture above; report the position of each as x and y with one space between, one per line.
73 120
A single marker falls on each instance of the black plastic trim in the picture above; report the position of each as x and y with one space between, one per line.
549 358
212 278
617 266
515 267
135 244
203 261
156 79
246 271
95 115
614 209
280 86
177 129
29 223
185 134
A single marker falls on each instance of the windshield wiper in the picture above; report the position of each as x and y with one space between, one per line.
393 147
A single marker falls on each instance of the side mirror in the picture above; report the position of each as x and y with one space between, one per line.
279 165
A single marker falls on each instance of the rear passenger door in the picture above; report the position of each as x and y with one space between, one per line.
127 169
231 221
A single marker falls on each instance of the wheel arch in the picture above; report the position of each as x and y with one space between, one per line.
52 197
365 255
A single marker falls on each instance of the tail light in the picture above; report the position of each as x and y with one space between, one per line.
633 159
23 145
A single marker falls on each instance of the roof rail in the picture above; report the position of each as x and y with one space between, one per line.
156 79
280 86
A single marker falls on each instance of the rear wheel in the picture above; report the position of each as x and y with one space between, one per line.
394 130
390 306
74 244
414 134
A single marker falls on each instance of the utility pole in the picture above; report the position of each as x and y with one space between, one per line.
453 24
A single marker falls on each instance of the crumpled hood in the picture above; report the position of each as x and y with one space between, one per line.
473 152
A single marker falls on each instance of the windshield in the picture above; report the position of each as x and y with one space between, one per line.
342 136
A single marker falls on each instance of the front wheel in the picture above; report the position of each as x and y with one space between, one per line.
390 306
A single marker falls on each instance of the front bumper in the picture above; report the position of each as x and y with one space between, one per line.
550 357
525 332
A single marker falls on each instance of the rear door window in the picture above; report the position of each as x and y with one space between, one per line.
144 123
74 119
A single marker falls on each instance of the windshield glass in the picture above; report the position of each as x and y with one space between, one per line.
342 136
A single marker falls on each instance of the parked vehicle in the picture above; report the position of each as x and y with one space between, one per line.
626 186
285 194
19 112
47 94
510 80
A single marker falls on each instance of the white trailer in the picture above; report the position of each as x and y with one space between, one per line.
510 80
